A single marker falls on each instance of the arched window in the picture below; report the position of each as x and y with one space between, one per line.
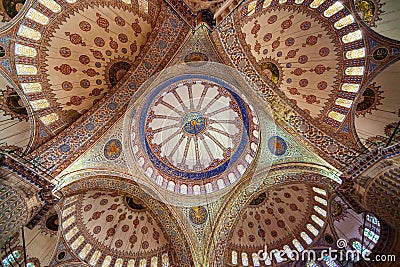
343 22
317 220
320 211
312 229
297 245
234 257
312 263
321 200
319 191
351 37
333 9
256 260
251 8
306 238
363 250
154 261
373 220
165 260
371 235
245 259
329 262
316 3
142 263
11 258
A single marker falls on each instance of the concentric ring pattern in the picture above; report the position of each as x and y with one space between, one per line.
197 135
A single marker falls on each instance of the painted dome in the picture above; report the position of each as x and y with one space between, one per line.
197 134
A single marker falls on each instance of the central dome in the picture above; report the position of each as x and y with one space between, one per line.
194 127
192 133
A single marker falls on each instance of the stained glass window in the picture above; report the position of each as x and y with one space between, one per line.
71 1
131 263
350 87
344 102
354 71
36 16
39 104
329 262
49 119
278 256
351 37
373 219
319 191
282 1
29 33
333 9
320 211
317 220
30 264
312 229
343 22
312 263
321 200
95 258
77 242
68 211
143 6
142 263
306 238
119 262
26 51
234 257
316 3
357 246
267 3
297 245
127 2
71 233
68 222
371 235
165 260
107 261
52 5
288 251
256 260
11 258
154 261
336 116
245 259
251 8
86 249
299 1
357 53
25 69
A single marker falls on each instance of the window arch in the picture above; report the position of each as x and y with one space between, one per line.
329 261
360 248
306 238
11 258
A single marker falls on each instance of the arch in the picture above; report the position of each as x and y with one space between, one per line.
176 235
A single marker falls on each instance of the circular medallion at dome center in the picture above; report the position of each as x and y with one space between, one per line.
193 122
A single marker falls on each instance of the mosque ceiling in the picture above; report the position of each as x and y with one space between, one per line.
289 216
101 226
318 88
377 113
